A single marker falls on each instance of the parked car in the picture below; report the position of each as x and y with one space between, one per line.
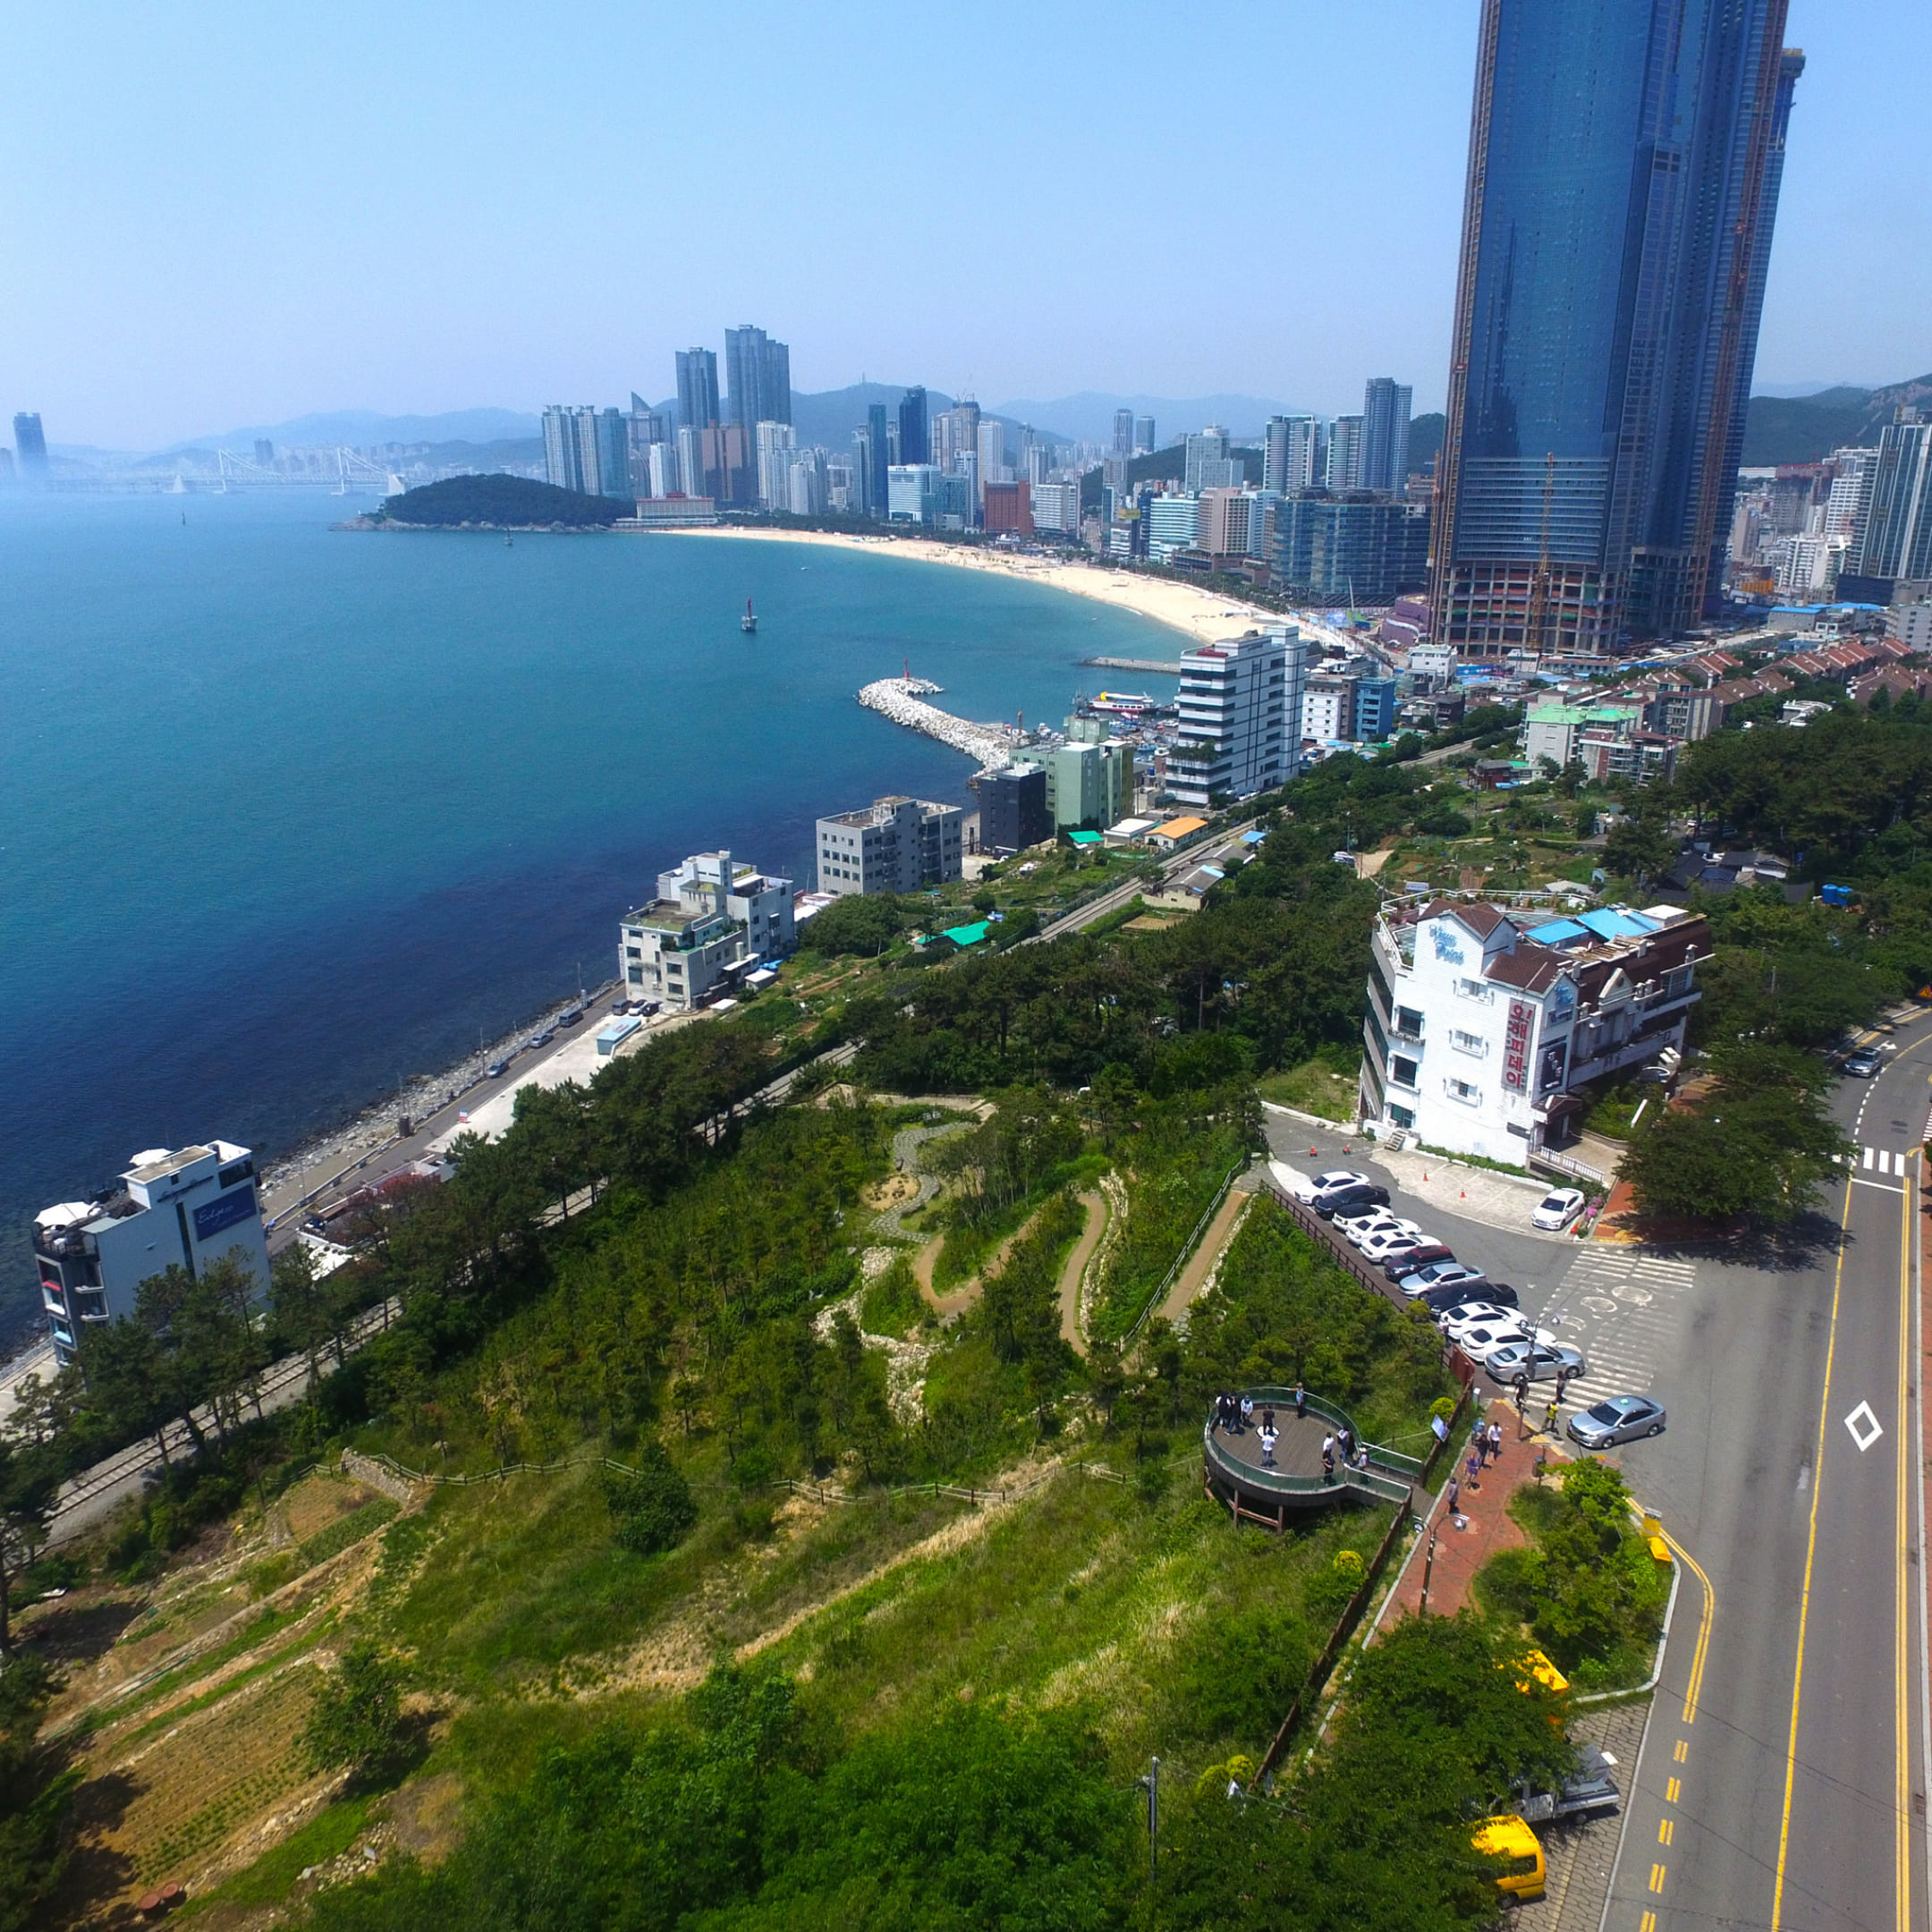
495 1070
1588 1791
1477 1309
1541 1360
570 1016
1383 1224
1864 1064
1381 1243
1443 1275
1438 1300
1556 1210
1482 1341
1306 1187
1397 1268
1343 1199
1508 1838
1614 1420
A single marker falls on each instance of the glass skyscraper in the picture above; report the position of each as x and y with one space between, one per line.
915 435
1624 164
758 371
697 388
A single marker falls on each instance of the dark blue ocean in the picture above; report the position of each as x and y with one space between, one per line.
288 814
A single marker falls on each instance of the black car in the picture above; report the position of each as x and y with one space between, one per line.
1438 1300
1344 1201
1401 1265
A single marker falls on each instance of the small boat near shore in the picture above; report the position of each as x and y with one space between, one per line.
748 623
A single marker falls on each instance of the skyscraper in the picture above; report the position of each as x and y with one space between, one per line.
1623 174
29 441
588 450
1384 435
1124 432
1290 453
992 453
878 464
758 371
1896 539
1207 454
1143 435
774 447
915 435
697 388
1343 470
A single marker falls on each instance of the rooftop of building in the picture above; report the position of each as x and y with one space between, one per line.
669 915
1589 946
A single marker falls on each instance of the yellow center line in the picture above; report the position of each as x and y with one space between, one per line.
1901 1685
1694 1685
1804 1593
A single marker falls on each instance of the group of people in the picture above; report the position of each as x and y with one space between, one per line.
1485 1447
1236 1414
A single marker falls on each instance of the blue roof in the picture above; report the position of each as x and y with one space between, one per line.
1611 924
1558 932
1253 838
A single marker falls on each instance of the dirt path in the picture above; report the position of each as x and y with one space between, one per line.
968 1291
1096 1207
1206 1258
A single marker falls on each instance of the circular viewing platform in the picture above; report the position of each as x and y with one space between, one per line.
1235 1474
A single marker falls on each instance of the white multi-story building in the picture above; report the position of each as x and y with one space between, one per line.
1481 1027
1057 508
893 845
1328 709
185 1209
912 493
712 918
1240 710
775 444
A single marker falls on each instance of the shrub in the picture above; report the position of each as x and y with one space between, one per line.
355 1723
652 1510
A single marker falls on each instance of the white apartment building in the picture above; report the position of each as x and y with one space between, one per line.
1240 706
1328 709
893 845
180 1209
1057 508
1481 1028
912 493
712 920
775 444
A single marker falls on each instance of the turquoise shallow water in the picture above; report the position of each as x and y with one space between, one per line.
288 814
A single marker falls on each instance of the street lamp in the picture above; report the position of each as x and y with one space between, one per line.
1150 1783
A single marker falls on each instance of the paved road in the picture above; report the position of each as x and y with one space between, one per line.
1082 917
1783 1778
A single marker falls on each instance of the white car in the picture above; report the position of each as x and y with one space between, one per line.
1360 1233
1556 1210
1466 1314
1361 1219
1488 1340
1382 1242
1306 1187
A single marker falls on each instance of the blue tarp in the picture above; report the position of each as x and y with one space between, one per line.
1558 932
1611 924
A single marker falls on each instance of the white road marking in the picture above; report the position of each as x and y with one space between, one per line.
1865 1427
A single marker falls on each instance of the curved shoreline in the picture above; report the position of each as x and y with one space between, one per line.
1200 616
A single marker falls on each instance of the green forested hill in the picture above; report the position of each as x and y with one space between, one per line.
502 502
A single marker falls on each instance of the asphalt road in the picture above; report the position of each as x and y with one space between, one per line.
1082 917
1783 1778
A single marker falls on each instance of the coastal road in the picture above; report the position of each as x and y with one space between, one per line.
1783 1778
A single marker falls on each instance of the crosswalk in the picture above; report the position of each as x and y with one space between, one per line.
1618 1305
1878 1160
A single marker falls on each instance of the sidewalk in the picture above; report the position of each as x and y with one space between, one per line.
1487 1526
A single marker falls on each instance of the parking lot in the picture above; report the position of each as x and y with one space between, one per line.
1622 1306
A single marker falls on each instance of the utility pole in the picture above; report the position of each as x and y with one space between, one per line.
1150 1783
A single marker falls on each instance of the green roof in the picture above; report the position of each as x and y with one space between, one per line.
1085 838
966 936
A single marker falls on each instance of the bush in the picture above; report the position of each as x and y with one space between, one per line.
355 1723
1239 1672
653 1508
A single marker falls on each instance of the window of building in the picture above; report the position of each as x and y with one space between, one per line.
1403 1071
1468 1043
1473 989
1402 1116
1410 1021
1463 1090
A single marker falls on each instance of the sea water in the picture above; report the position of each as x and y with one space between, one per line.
289 814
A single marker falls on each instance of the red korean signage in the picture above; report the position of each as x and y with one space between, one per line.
1516 1046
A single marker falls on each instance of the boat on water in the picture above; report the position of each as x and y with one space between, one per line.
748 623
1127 701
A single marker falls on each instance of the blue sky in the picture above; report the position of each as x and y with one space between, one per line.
221 214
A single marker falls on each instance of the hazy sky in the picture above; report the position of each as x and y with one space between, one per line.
215 215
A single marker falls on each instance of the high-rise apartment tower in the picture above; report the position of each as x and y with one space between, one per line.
1623 174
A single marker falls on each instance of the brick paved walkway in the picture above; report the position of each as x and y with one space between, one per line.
1482 1525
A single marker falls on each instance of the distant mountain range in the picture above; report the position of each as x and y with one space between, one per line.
1794 429
361 428
1088 416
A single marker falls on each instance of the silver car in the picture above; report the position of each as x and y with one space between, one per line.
1617 1418
1538 1360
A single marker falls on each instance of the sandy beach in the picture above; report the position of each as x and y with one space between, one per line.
1203 617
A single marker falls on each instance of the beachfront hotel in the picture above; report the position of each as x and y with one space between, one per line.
180 1209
